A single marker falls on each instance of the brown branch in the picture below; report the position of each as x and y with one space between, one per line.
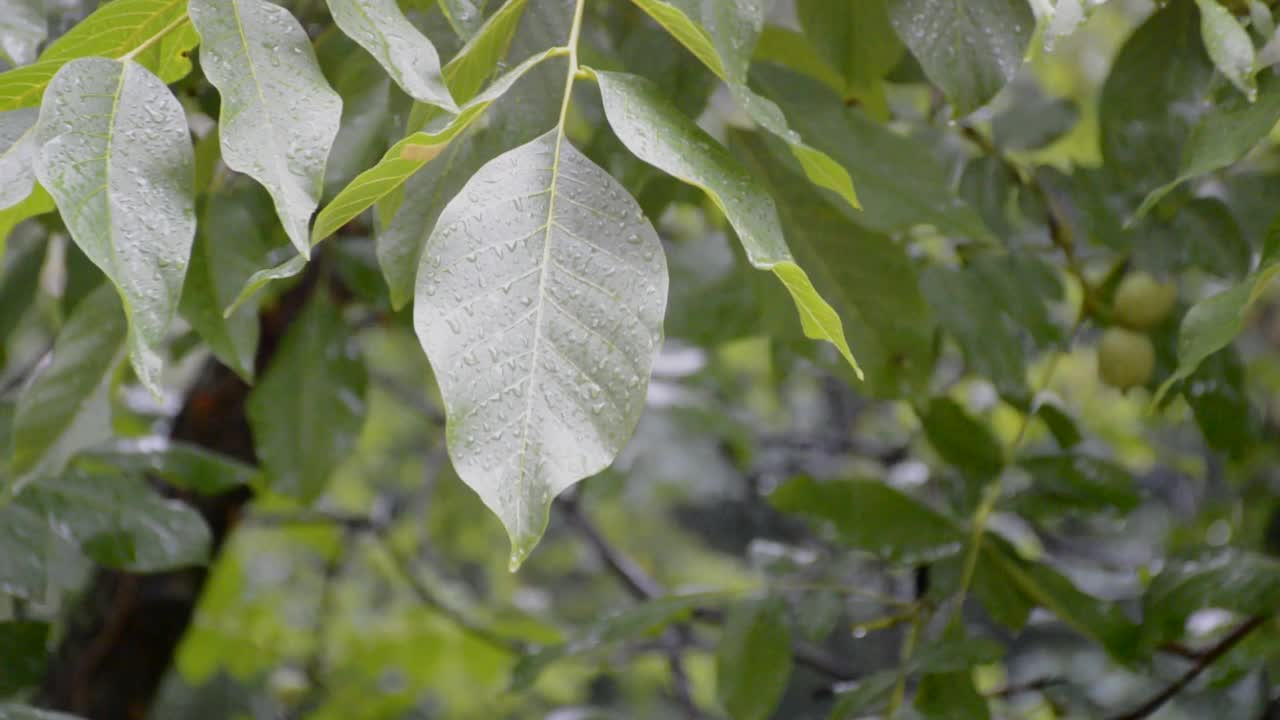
1206 659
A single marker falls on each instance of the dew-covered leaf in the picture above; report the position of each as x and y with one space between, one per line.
121 521
753 660
874 517
969 48
65 408
466 16
279 117
22 28
156 31
1228 45
116 157
657 133
539 303
407 55
17 151
307 409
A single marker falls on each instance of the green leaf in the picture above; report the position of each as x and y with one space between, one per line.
24 712
37 203
1213 323
868 276
116 157
17 151
307 409
1229 46
465 16
1034 120
950 696
279 116
873 517
1161 66
184 466
284 270
24 541
406 54
539 303
855 37
794 51
753 659
20 281
22 28
969 48
121 522
155 33
961 440
866 693
658 134
65 408
1068 483
962 304
900 181
1021 285
232 242
23 647
1224 135
1060 424
407 157
724 42
1229 579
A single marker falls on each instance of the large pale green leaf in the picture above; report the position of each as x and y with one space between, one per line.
900 181
873 517
408 56
1228 45
870 279
17 151
24 542
539 302
233 242
753 660
658 134
724 35
120 521
65 408
409 155
1160 67
968 48
308 407
22 28
1213 323
155 33
1225 134
116 157
279 116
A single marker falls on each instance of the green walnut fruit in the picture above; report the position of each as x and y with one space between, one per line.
1142 301
1125 358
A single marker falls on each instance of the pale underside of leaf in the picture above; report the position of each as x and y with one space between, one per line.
116 156
408 56
658 134
279 115
22 28
539 303
17 150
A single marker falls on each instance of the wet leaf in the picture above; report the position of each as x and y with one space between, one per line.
753 660
406 54
22 28
1229 46
17 151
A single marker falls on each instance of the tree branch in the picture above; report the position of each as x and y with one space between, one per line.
1206 659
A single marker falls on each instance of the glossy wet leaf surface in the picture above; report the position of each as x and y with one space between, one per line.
22 28
17 150
408 56
539 303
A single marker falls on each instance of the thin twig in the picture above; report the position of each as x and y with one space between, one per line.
1206 659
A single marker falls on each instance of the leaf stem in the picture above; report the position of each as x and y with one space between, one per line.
574 31
174 25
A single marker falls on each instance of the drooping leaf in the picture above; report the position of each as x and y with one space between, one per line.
1228 45
370 110
65 408
409 155
24 542
307 409
753 660
184 466
1228 579
22 645
657 133
969 48
1214 322
687 31
17 151
1161 66
874 517
232 243
22 28
408 56
280 271
868 276
279 116
155 33
961 439
539 303
116 157
121 522
1224 134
